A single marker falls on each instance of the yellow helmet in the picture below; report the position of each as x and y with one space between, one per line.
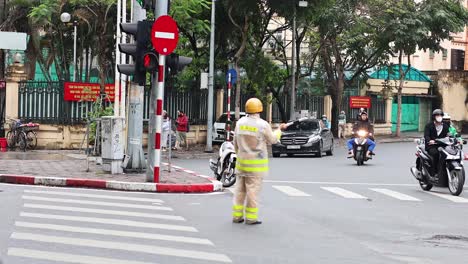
253 106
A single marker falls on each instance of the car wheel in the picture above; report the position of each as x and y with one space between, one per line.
330 152
276 155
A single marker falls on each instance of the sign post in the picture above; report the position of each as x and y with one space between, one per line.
164 36
231 79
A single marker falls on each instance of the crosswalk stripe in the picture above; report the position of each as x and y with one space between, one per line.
151 236
290 191
102 211
455 199
396 195
67 258
201 255
344 193
74 201
109 221
110 197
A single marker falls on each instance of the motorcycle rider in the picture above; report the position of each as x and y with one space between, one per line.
435 130
362 124
252 134
447 120
325 121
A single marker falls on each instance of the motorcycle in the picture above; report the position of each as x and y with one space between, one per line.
450 172
224 167
360 147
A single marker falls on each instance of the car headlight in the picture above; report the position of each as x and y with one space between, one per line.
362 133
313 139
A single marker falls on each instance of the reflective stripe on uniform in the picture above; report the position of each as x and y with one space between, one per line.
248 128
253 162
251 210
252 169
251 213
237 211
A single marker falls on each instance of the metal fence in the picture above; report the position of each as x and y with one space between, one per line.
193 103
376 112
43 102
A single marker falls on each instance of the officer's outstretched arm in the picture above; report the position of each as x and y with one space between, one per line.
270 136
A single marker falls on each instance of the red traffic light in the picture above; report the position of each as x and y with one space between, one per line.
150 61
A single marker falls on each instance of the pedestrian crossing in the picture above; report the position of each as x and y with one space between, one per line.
88 226
364 192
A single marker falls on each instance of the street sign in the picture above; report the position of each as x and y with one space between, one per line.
233 76
360 102
165 35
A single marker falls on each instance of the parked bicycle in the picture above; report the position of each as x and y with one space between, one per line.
22 135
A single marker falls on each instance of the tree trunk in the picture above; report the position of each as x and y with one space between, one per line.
337 99
281 108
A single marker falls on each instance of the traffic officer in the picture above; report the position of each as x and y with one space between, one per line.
252 134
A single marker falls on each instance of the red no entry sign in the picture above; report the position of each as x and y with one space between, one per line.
165 35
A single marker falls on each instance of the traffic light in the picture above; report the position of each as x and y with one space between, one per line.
176 63
141 33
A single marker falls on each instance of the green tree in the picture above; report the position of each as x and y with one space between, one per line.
349 44
423 25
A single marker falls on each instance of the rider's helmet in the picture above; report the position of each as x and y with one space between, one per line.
253 106
437 112
446 119
324 117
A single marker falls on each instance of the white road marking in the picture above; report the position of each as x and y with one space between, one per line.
290 191
109 221
232 190
151 236
102 211
111 197
75 201
67 258
455 199
342 183
164 35
344 193
396 195
122 246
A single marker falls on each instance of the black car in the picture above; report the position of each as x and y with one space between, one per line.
305 136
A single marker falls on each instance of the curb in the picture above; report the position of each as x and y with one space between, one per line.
214 186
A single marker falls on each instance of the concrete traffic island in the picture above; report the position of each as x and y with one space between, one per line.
68 169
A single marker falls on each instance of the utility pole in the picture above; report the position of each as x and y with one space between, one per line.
292 108
134 149
209 132
157 93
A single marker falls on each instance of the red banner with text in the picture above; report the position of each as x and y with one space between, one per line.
360 102
88 92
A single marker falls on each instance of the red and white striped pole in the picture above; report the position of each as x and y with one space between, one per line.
228 136
158 112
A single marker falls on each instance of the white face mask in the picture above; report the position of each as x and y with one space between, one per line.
438 119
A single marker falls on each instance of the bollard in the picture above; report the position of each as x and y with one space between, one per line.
3 145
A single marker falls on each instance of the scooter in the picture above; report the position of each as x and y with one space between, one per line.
450 172
224 167
360 147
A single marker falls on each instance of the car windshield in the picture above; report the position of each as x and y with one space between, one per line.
223 118
303 126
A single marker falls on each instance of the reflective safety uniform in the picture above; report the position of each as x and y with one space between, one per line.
252 135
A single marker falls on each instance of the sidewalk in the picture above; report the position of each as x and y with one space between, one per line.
405 137
69 168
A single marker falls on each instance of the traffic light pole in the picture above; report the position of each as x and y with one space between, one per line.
209 130
134 148
156 107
